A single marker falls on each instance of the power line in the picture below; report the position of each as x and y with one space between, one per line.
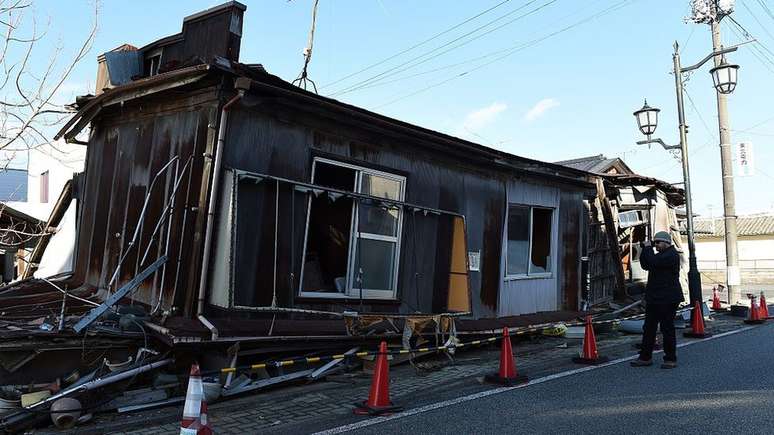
756 51
765 174
755 17
765 121
516 49
696 110
754 133
417 45
766 9
377 83
397 69
750 36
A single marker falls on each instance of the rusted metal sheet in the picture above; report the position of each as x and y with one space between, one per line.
127 150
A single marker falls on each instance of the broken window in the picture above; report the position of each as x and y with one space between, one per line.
352 244
528 247
152 63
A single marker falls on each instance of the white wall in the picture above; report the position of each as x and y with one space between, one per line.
713 251
61 162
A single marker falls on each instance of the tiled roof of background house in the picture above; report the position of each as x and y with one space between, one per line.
750 225
598 164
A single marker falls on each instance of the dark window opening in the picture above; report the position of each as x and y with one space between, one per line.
518 240
352 245
328 240
151 65
541 241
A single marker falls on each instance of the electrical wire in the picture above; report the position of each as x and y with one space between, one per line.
514 49
696 111
766 9
768 54
382 81
755 17
436 36
69 295
448 66
759 55
421 59
765 121
303 78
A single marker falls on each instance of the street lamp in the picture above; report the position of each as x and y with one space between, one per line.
724 77
647 119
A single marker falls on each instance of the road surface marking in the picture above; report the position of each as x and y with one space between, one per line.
487 393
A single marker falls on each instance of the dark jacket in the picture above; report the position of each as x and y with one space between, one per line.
663 276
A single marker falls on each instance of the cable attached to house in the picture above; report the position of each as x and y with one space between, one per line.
303 79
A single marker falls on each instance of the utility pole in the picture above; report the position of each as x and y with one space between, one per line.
729 202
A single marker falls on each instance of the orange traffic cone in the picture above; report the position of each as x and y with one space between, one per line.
195 410
754 317
378 402
716 300
764 308
589 353
507 375
697 323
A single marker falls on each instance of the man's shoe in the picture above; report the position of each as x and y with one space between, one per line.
641 362
669 365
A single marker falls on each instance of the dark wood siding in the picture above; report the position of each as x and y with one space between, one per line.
127 148
272 143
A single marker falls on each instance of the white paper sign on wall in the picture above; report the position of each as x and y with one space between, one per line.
474 261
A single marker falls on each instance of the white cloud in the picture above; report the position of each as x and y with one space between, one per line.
480 118
541 108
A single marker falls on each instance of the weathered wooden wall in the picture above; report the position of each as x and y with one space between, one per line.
128 147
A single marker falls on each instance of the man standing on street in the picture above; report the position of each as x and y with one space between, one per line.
662 296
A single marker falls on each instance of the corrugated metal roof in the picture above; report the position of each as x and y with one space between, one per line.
13 185
750 225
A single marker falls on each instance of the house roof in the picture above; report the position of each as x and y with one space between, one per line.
13 185
750 225
598 164
260 80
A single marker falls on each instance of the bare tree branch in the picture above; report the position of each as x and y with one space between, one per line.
29 108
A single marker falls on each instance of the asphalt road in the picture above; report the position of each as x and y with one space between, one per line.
722 385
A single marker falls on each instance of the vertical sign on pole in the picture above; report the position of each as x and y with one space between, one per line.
745 164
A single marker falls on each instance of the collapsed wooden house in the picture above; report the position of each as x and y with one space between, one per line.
222 204
628 209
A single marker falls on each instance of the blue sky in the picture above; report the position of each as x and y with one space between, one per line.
569 95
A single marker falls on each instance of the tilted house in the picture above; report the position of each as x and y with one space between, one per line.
280 212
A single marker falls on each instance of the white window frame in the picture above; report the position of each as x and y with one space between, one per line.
351 291
528 275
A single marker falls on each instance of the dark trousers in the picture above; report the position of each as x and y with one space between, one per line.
655 315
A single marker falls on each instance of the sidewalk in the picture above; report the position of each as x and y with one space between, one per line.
312 407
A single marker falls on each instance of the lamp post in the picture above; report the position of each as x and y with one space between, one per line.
724 78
